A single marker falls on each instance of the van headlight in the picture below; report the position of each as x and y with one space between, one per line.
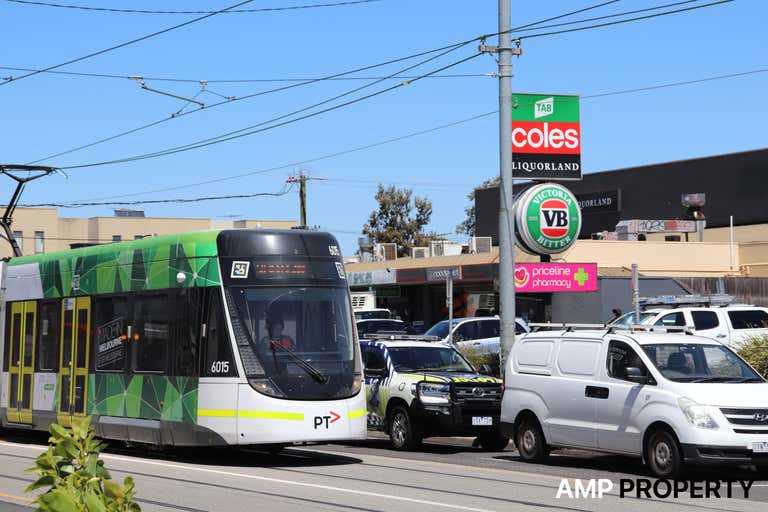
432 393
697 414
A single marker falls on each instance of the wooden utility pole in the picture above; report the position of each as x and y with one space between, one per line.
302 180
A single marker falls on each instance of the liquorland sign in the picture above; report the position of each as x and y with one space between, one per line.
546 137
547 219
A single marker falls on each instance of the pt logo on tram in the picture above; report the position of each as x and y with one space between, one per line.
325 421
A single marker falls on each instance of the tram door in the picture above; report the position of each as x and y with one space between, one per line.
21 367
73 361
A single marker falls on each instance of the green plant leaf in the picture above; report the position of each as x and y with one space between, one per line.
94 503
59 500
113 490
44 481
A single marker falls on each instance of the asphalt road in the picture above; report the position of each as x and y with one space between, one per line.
446 474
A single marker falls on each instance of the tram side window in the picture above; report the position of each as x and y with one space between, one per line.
48 338
218 360
7 339
110 320
150 339
186 304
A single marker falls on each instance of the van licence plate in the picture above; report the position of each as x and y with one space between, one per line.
760 447
482 421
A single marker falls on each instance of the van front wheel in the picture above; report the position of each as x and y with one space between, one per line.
530 441
663 455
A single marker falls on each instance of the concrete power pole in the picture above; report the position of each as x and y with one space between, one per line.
506 220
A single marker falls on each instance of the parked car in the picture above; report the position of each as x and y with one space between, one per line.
417 389
376 326
368 314
672 399
480 333
728 324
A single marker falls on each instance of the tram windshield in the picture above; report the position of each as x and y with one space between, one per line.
296 342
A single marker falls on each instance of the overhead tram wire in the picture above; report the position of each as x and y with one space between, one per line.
127 43
424 132
247 131
160 121
148 11
619 22
282 192
259 93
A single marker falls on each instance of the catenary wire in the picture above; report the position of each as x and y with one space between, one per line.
425 132
149 11
620 22
244 132
253 95
160 121
127 43
282 192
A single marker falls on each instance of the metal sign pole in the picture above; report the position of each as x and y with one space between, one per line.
449 303
636 291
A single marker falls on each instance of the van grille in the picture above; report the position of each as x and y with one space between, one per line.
477 393
751 417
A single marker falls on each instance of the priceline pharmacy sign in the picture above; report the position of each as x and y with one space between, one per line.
546 137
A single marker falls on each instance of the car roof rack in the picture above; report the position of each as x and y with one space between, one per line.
675 301
398 336
564 326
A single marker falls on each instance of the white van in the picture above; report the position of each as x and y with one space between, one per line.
672 399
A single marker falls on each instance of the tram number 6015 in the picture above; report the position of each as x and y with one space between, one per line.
220 367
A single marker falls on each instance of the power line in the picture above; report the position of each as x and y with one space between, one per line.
331 77
239 80
427 131
128 43
147 11
244 132
255 94
282 192
628 20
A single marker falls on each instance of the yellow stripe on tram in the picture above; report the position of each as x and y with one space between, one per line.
356 414
216 413
271 415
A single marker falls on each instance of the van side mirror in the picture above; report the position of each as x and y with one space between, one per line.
635 374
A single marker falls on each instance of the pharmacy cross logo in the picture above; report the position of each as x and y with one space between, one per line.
581 276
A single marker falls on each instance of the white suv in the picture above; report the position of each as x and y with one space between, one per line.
672 399
728 324
479 333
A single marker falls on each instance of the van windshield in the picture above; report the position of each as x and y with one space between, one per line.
700 363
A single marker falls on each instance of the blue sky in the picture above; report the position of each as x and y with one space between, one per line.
45 114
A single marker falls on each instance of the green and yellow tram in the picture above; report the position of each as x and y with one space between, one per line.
221 337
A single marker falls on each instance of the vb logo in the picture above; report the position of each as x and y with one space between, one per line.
554 218
325 421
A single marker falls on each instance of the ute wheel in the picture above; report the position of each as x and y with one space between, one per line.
530 441
493 442
402 431
662 454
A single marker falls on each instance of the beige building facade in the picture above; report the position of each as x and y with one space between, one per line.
42 230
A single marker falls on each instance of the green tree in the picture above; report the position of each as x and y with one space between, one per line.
75 476
400 220
468 226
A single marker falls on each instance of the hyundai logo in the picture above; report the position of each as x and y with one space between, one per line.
761 416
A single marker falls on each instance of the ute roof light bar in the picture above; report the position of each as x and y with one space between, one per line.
675 301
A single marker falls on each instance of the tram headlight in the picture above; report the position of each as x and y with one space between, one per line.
357 383
266 387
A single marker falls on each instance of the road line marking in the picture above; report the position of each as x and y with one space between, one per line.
14 497
451 465
291 482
